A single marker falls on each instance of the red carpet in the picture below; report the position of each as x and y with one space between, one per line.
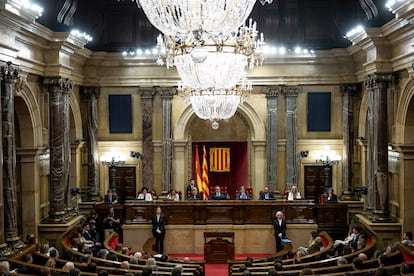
215 269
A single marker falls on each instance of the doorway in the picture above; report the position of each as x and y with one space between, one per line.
317 178
125 181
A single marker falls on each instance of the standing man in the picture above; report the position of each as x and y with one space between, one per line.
158 230
190 188
279 225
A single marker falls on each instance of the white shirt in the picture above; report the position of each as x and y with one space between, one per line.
148 197
290 196
176 198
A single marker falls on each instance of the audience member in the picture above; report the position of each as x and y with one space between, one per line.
406 268
51 263
341 261
44 271
278 266
68 266
125 265
381 272
112 222
145 195
294 194
357 264
4 267
271 272
407 238
176 271
242 194
266 194
74 272
362 256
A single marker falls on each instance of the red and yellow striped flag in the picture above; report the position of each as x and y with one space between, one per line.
219 159
206 188
198 171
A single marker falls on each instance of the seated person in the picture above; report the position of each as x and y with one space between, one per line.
218 194
145 195
266 194
294 194
330 197
110 197
242 194
407 238
112 220
194 194
173 196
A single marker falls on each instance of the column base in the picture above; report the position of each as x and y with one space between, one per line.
348 196
381 216
15 244
5 251
55 217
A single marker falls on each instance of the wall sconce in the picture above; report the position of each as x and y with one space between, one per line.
135 154
303 154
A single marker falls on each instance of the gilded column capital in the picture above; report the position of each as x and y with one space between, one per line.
273 91
167 92
378 80
147 92
55 84
9 71
87 92
291 91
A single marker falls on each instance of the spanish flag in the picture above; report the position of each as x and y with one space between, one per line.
198 171
205 184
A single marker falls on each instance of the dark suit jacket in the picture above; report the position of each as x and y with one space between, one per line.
197 197
333 199
239 196
107 199
279 228
160 224
263 196
188 190
222 195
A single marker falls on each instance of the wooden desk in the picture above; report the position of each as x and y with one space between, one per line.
218 247
220 211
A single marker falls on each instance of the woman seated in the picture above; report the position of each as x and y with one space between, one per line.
145 195
294 194
173 196
242 194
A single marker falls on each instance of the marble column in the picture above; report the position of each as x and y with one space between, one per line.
167 144
271 137
348 90
9 73
377 85
291 93
147 143
91 94
58 119
67 146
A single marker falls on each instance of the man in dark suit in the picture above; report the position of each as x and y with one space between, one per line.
279 225
218 194
331 197
110 197
266 194
158 230
194 195
190 188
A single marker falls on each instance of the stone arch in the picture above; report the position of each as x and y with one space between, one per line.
363 112
402 111
76 119
29 118
255 124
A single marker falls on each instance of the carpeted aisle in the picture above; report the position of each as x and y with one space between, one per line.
215 269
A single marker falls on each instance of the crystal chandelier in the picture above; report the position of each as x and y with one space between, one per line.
204 41
216 104
180 18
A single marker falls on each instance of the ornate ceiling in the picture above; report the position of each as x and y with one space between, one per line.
118 25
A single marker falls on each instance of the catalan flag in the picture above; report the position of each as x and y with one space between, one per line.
198 171
219 159
206 188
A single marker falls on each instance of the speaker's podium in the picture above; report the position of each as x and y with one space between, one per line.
218 247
